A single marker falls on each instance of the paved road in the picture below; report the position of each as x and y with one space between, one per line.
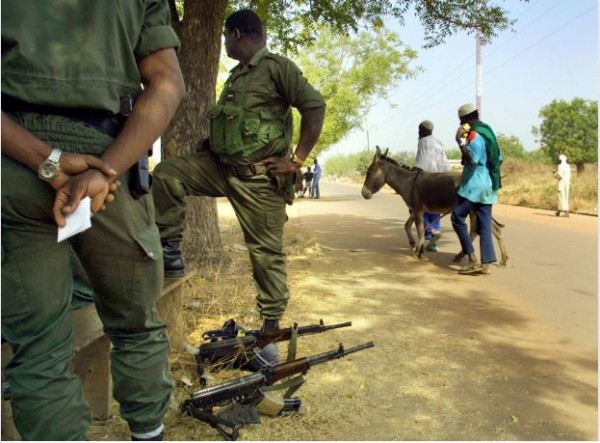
552 271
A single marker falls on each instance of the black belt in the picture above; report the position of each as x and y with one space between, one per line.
248 170
108 123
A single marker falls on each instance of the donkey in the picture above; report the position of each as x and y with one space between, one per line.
422 191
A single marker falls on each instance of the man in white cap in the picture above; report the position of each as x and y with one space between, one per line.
479 182
431 157
563 174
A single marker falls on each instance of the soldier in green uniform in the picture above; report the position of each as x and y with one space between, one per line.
249 152
71 70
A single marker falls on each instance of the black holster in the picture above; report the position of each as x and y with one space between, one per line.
140 179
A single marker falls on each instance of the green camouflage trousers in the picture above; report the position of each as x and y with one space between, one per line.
259 208
122 255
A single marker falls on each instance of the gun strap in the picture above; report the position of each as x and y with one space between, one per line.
292 385
292 345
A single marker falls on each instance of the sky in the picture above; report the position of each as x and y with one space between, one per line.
551 55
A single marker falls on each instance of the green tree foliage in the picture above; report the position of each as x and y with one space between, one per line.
349 164
454 154
293 24
358 163
405 157
352 72
511 146
570 128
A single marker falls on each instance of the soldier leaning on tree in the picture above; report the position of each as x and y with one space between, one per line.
246 159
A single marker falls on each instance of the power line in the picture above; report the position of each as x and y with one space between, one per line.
422 104
550 34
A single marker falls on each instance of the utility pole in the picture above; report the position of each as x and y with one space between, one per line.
478 69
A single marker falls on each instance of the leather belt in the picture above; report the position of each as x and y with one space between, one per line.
248 170
108 123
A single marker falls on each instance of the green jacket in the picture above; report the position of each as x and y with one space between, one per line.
494 156
252 119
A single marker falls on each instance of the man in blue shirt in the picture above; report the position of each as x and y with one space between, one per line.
316 191
478 186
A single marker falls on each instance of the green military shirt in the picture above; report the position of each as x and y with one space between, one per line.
94 62
252 119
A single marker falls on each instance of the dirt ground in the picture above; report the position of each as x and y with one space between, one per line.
451 361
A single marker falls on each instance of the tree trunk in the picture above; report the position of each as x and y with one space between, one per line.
580 167
200 34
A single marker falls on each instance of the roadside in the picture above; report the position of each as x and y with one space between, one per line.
454 358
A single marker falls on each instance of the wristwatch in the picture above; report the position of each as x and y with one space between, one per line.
50 168
297 159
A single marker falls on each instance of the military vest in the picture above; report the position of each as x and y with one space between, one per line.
238 132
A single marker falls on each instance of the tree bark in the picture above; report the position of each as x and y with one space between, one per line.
199 59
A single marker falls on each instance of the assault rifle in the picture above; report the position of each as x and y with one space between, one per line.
233 345
248 389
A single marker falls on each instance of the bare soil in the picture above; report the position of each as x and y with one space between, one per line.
452 360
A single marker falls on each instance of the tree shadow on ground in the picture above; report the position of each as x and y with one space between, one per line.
452 362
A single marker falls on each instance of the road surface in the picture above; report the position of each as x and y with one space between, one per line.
509 356
552 269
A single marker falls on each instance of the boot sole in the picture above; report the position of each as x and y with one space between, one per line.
175 274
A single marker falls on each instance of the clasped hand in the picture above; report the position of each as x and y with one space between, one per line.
82 176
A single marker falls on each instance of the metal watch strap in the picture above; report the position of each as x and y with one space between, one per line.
54 156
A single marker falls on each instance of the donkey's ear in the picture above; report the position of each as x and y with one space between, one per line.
377 151
386 152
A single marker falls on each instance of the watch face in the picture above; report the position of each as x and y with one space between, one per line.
48 171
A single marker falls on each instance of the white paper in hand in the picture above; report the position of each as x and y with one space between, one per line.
78 221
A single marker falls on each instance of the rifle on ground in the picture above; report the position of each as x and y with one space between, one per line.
233 345
247 390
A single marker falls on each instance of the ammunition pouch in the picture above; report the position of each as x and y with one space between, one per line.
236 132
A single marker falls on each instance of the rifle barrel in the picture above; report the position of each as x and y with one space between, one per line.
338 353
264 338
315 329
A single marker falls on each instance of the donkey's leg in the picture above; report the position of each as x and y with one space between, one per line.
497 233
408 229
418 216
473 233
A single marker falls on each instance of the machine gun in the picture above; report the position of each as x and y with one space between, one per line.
248 389
235 346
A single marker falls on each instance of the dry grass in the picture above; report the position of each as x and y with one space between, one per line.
534 186
218 293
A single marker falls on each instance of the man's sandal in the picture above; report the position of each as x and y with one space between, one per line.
477 269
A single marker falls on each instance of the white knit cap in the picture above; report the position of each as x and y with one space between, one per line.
466 109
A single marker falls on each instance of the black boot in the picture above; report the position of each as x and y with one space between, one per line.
172 258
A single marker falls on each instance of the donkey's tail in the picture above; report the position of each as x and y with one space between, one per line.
497 222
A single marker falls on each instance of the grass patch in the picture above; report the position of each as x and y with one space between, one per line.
534 186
